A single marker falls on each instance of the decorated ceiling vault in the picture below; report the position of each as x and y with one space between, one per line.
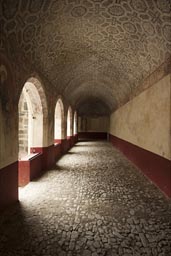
93 52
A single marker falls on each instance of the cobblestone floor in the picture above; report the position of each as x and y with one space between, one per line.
93 203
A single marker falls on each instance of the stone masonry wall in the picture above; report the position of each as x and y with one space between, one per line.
23 127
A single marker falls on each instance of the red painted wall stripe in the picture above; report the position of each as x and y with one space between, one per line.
155 167
23 173
92 135
8 185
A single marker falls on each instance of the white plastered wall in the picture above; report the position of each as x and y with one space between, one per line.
75 123
94 124
8 139
69 122
145 121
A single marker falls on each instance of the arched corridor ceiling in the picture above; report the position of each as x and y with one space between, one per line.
90 48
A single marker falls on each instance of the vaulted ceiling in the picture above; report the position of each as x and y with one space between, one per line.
90 50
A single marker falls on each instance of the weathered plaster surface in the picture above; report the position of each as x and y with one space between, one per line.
146 120
94 124
8 140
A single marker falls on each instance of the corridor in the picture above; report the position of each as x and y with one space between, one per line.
94 202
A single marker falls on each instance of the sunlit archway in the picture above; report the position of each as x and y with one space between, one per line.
69 122
75 123
32 111
32 129
59 121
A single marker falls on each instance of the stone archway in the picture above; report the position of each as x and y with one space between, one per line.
75 123
59 121
32 109
69 122
32 132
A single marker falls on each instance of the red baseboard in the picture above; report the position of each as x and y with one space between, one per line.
57 141
57 151
72 140
48 158
23 173
8 185
92 136
29 170
36 168
155 167
75 138
65 145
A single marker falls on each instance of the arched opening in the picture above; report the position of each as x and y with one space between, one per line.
59 122
30 111
69 122
75 123
32 130
24 113
1 136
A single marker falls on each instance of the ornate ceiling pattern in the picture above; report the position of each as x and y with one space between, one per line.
98 48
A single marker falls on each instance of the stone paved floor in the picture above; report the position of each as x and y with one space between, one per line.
93 203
